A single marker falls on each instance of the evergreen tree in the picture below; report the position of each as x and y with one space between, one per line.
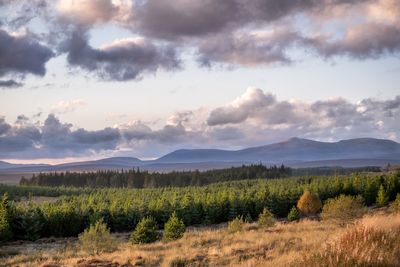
293 215
382 198
266 218
174 228
97 239
5 231
145 232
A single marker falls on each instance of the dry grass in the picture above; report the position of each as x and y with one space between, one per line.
284 244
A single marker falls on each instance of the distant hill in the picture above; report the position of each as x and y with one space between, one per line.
295 152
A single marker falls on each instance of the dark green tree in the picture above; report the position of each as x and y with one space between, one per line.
382 198
293 215
5 231
145 232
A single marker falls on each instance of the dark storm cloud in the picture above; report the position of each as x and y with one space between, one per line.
125 59
21 54
7 84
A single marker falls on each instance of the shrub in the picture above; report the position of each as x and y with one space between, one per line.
343 208
309 204
396 203
236 225
266 219
97 239
293 215
146 231
174 228
359 246
382 198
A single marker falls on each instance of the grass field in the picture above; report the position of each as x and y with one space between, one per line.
304 243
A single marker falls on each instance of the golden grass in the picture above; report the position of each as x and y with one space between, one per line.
285 244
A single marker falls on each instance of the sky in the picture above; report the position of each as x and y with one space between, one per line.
97 78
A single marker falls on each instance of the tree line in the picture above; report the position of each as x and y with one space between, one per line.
122 208
136 178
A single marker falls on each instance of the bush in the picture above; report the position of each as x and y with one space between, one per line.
396 203
343 208
5 230
266 219
174 228
236 225
146 231
293 215
382 199
309 204
97 239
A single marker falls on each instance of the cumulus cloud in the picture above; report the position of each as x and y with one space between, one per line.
124 59
53 139
254 118
229 32
22 54
262 113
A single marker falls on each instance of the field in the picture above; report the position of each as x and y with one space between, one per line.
41 224
285 244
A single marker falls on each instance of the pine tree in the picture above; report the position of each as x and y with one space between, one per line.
382 198
266 218
145 232
97 239
5 229
174 228
293 215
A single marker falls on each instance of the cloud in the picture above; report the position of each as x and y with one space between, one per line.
53 139
22 54
7 84
67 106
124 59
234 33
254 118
261 114
242 108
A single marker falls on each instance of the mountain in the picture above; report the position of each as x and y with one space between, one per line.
292 151
295 152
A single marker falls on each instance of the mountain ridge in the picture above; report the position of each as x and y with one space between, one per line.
295 152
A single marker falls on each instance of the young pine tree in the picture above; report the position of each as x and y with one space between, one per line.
382 198
266 219
146 231
5 231
293 215
236 225
396 203
174 228
97 239
309 204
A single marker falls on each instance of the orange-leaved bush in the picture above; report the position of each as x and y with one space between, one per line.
309 204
